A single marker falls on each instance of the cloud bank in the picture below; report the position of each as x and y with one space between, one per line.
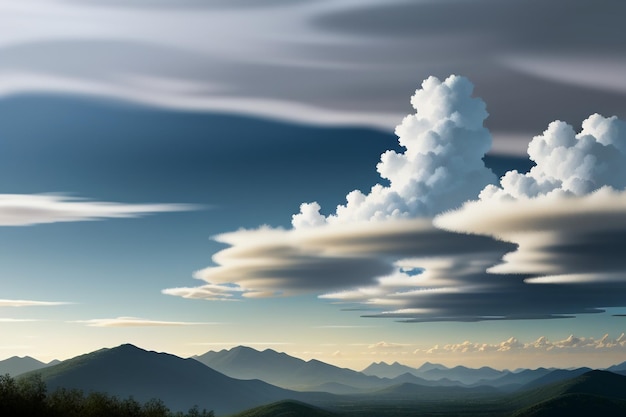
440 239
541 344
31 209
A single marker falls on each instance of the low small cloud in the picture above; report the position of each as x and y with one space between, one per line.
31 209
472 347
210 292
10 320
386 345
541 344
135 322
30 303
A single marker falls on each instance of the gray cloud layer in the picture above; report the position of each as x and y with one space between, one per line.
335 62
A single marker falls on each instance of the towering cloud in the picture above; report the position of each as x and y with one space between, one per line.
441 167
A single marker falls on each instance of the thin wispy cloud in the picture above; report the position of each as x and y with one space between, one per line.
342 327
136 322
11 320
31 209
30 303
243 343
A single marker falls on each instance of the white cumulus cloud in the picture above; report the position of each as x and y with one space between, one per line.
441 167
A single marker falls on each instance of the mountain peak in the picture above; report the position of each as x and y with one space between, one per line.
123 349
16 365
427 366
128 346
244 348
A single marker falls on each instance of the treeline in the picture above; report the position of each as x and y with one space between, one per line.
28 397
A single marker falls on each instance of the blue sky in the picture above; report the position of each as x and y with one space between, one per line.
134 135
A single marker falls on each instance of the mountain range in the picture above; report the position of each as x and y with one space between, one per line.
286 371
434 372
244 380
180 383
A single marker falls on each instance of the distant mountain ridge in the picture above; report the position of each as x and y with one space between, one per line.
594 392
595 382
18 365
283 370
289 372
394 370
435 372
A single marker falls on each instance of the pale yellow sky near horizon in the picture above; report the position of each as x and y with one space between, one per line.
565 353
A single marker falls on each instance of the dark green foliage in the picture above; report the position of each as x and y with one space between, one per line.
22 397
575 405
286 409
28 397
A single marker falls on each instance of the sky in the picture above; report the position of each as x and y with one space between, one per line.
352 181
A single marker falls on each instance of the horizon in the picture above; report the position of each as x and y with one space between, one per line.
348 181
388 362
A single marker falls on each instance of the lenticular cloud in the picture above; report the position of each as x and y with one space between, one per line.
441 167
